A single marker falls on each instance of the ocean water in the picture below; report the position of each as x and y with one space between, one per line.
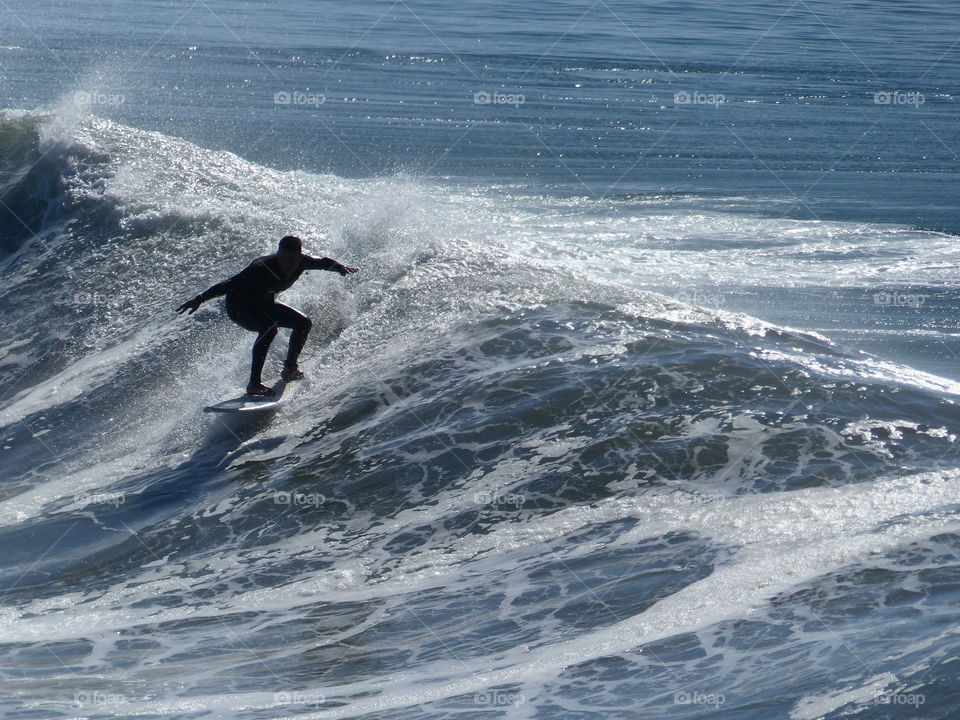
642 404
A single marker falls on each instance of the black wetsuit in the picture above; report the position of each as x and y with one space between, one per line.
250 304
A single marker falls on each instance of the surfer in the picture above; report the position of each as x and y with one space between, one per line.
250 304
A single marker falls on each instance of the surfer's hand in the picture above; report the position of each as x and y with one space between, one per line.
190 305
344 270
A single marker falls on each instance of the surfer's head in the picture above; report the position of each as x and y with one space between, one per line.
288 252
290 244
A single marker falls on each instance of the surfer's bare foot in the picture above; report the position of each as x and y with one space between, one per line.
291 373
259 389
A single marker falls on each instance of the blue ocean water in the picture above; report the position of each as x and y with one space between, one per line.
641 405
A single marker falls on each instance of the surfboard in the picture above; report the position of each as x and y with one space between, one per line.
245 404
251 403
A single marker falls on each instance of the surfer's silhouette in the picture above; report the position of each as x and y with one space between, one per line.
250 304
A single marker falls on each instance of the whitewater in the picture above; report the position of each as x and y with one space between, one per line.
636 408
510 483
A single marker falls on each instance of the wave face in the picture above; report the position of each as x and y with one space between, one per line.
518 482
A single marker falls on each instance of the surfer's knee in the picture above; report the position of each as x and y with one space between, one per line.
267 335
305 325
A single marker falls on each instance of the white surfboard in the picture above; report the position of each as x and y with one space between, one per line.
245 404
251 403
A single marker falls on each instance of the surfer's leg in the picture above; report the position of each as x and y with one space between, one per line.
260 348
300 326
264 324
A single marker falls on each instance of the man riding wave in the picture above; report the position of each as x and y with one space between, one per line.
250 303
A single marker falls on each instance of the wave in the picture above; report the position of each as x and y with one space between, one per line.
503 454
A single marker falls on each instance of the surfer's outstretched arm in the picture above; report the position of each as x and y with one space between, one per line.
215 291
221 288
191 305
315 263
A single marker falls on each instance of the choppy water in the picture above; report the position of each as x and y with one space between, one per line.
638 407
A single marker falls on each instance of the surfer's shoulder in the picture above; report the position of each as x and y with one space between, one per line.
262 261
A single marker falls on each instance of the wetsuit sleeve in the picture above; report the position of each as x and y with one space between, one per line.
216 290
313 263
245 277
